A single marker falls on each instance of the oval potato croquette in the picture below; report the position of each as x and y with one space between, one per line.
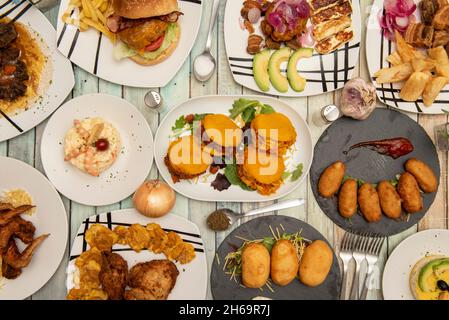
369 203
255 265
330 179
347 198
408 190
316 262
423 174
390 201
284 263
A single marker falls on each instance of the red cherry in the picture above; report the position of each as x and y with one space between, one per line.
102 144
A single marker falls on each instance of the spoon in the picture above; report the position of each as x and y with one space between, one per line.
234 217
204 64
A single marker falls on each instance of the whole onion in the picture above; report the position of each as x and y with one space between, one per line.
154 198
358 99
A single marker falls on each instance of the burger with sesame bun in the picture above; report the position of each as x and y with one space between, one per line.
148 30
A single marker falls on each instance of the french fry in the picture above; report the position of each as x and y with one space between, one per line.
432 90
414 86
394 74
443 70
423 64
406 51
439 54
91 14
394 59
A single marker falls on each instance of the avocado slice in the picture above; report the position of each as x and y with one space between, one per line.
442 267
278 80
297 82
260 70
425 274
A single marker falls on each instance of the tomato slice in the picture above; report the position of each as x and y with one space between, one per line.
156 44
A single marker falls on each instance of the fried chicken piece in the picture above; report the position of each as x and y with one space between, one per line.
113 275
22 229
6 217
153 280
9 272
5 206
19 260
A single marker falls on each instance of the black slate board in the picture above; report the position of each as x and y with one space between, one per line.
225 289
370 166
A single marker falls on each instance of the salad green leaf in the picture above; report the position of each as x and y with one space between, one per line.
233 178
297 173
249 109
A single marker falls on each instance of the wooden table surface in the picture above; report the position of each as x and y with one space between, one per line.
27 148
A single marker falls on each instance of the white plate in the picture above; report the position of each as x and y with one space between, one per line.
222 104
378 48
395 281
191 283
93 51
50 217
325 73
62 80
126 174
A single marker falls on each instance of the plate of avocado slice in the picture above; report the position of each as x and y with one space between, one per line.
288 72
418 268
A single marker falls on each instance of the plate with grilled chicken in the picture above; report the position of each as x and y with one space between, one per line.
123 255
33 230
292 48
407 47
35 78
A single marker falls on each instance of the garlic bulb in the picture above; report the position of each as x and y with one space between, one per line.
358 99
154 198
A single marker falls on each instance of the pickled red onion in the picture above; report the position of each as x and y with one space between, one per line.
398 15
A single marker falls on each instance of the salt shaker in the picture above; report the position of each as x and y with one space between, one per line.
326 115
153 100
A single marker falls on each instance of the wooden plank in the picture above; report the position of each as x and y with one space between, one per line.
227 86
436 216
199 210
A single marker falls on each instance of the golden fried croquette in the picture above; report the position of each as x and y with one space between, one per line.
423 174
369 203
284 262
408 190
347 198
153 280
331 178
390 201
113 275
255 265
316 262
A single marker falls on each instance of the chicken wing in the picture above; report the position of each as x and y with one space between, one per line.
18 227
19 260
6 217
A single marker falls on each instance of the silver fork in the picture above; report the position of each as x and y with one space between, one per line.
346 257
372 256
359 248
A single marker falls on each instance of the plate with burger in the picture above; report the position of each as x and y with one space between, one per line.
127 41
